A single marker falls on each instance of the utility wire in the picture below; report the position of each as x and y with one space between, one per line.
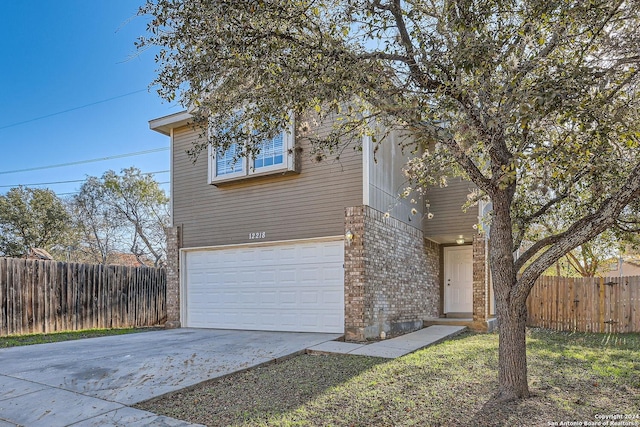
68 182
117 156
41 183
77 192
70 109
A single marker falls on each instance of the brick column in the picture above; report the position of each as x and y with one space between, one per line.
173 278
480 289
354 275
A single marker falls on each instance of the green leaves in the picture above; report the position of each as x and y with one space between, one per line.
528 99
125 213
31 218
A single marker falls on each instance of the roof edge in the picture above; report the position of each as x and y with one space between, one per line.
172 121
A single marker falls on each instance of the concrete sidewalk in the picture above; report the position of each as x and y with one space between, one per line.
394 347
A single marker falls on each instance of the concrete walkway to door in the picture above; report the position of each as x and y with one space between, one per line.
92 382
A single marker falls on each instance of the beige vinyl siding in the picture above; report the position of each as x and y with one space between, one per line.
387 180
284 207
449 220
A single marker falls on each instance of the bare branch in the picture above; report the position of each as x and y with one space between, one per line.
523 223
580 232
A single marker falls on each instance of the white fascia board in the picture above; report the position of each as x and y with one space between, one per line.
172 121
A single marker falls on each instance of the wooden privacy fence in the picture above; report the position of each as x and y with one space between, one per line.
47 296
590 304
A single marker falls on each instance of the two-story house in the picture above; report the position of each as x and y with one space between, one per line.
285 242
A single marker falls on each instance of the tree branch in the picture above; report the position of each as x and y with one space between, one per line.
523 223
405 39
384 55
580 232
575 264
469 166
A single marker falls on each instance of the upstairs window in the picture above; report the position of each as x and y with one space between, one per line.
276 156
227 164
272 153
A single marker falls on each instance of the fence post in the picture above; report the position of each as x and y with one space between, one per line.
601 323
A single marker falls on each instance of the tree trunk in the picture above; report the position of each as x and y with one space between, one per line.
512 353
511 311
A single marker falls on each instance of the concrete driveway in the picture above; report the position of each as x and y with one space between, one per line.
92 382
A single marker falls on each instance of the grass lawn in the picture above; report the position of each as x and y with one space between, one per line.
573 377
18 340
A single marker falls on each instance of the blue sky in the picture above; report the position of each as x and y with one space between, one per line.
64 55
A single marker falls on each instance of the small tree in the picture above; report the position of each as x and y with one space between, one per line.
589 259
31 218
101 231
126 212
535 101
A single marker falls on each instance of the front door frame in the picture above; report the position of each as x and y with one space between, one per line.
447 250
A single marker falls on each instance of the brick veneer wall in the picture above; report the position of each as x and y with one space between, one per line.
354 275
391 276
173 277
480 288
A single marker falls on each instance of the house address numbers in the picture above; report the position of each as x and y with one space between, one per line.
257 235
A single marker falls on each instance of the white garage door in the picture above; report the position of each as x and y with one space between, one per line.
288 287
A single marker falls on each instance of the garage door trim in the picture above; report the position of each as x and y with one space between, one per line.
185 251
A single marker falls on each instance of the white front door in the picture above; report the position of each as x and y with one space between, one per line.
458 279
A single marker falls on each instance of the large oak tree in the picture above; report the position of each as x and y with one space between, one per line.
536 102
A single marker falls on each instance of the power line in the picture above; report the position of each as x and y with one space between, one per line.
68 182
70 109
80 162
77 192
41 183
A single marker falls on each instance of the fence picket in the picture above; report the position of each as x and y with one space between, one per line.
48 296
634 300
18 274
36 298
3 296
607 304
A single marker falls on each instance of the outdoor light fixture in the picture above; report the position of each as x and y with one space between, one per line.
349 237
460 240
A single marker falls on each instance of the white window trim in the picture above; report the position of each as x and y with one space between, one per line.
287 156
213 173
288 142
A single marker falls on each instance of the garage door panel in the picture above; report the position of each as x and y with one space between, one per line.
310 297
287 255
333 254
286 276
308 254
268 256
289 287
243 278
310 275
268 276
308 320
333 275
225 276
288 298
329 297
269 298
